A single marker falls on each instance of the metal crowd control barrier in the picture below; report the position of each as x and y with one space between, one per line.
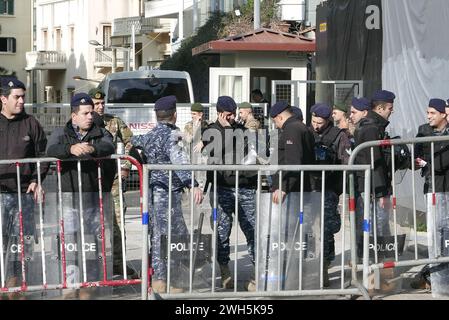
309 246
373 264
53 268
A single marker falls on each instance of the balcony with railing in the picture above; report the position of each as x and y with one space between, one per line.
46 60
104 58
122 27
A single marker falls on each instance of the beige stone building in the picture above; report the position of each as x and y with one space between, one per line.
15 35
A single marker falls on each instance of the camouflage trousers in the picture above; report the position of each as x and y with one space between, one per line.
11 228
246 218
332 224
158 207
117 225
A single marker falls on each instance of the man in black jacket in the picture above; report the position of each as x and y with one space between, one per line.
82 139
227 150
21 137
295 147
438 194
332 147
368 129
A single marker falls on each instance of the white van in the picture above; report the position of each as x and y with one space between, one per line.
146 86
131 96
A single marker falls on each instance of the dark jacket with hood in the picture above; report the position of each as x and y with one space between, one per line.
332 147
441 159
59 144
228 156
372 128
21 138
295 147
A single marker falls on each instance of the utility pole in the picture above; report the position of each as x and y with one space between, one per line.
181 20
133 47
256 14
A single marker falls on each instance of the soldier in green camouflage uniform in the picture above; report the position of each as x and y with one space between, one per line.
247 116
192 141
193 131
120 134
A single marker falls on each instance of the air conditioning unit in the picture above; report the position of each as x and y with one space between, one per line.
292 10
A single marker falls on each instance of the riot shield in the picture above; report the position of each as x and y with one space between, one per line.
438 241
289 243
38 273
382 230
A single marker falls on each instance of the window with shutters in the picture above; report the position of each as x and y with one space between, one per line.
7 45
107 33
45 39
58 39
72 37
6 7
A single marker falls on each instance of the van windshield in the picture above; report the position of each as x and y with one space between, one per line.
147 90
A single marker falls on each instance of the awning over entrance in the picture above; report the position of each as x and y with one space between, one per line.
258 40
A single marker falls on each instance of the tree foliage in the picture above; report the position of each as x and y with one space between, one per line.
197 66
218 26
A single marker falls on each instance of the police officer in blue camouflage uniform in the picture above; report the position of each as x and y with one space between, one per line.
161 146
331 145
227 126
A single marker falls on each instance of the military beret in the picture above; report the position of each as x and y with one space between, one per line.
197 107
165 104
341 106
384 96
321 110
298 113
362 104
438 104
96 94
278 108
8 83
81 99
245 105
226 104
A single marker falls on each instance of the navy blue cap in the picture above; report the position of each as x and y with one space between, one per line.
362 104
321 110
226 104
278 108
165 103
384 96
438 104
8 83
298 113
81 99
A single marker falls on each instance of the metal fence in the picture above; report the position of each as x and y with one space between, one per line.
140 118
289 258
59 240
387 250
304 93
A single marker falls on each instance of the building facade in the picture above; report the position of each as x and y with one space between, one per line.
63 30
15 35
